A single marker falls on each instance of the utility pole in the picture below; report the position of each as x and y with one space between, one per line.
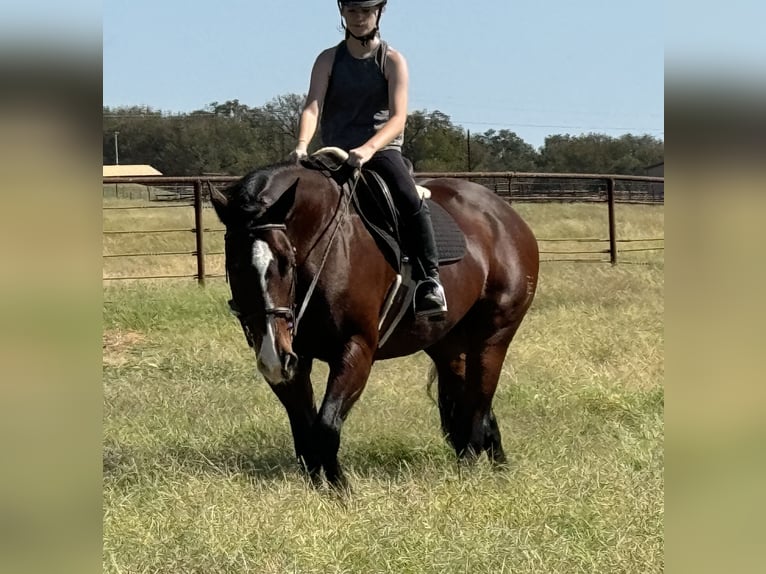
116 149
468 140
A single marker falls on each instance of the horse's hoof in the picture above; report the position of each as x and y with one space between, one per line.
501 464
498 459
467 457
310 472
340 486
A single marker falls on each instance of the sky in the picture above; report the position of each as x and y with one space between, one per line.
533 67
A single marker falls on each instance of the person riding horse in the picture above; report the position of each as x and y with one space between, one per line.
358 96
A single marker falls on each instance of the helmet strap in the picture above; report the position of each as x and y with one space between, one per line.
364 39
367 37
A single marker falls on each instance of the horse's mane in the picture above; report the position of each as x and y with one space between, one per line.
252 195
247 192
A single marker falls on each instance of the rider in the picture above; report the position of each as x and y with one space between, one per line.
360 89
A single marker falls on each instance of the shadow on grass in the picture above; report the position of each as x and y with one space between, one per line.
263 459
392 458
268 457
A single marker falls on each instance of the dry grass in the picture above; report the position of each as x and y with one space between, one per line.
198 465
176 223
553 224
117 345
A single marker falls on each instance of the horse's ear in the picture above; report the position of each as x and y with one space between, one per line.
281 207
220 203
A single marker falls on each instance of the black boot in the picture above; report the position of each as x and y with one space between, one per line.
429 297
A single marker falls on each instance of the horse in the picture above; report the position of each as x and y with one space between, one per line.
308 282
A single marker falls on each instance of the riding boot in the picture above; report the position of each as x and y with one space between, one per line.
429 294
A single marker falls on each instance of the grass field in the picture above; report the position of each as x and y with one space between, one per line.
198 464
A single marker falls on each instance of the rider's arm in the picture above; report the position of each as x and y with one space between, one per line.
320 76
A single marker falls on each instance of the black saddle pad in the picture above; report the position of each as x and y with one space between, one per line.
450 241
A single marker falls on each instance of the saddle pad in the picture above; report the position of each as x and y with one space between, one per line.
450 241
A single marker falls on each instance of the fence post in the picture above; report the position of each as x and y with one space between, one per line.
612 233
199 232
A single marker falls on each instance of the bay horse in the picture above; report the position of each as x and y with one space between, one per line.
308 282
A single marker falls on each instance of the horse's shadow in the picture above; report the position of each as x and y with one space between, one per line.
264 457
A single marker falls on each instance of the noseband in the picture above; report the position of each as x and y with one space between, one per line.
288 313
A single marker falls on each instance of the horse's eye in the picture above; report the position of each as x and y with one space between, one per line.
284 265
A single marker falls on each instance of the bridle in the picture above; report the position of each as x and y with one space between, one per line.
288 313
273 312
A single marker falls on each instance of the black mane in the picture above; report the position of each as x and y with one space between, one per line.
253 194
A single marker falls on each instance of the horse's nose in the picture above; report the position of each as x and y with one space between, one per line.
289 363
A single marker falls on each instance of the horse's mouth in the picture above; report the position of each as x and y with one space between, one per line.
282 373
289 364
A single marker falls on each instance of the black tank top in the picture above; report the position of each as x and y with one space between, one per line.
356 101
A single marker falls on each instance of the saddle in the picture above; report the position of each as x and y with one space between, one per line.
373 203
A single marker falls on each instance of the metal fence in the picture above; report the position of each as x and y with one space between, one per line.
185 193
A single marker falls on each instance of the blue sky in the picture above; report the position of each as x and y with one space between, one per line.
535 68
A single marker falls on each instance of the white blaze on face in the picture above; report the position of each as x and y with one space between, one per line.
268 358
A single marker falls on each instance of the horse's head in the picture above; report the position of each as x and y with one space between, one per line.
260 262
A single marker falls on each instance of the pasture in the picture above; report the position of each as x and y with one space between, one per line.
199 473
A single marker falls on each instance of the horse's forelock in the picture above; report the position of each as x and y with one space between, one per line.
250 195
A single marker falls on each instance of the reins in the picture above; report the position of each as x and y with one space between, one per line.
343 212
289 312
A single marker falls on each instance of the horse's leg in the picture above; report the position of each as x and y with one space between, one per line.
484 363
450 370
348 376
492 442
472 420
468 368
297 396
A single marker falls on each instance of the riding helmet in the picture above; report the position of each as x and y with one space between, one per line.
362 3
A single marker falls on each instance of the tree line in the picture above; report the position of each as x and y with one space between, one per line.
232 138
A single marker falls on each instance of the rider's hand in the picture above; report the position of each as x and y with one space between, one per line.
298 154
360 155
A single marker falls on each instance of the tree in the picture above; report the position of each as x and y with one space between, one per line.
233 138
231 109
503 151
599 153
277 124
433 143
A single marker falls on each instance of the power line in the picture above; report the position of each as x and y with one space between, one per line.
515 125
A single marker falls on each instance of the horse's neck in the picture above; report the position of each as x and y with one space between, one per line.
319 205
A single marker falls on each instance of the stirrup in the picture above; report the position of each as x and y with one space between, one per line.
441 310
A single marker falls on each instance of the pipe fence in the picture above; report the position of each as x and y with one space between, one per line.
151 219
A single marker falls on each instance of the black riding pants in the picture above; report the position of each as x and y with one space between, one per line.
414 213
389 164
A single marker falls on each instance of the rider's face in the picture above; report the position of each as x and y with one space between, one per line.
360 20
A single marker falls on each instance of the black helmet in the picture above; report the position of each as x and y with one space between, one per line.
362 3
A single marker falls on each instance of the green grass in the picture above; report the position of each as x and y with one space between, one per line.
198 463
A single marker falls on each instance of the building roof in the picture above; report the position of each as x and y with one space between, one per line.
129 170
